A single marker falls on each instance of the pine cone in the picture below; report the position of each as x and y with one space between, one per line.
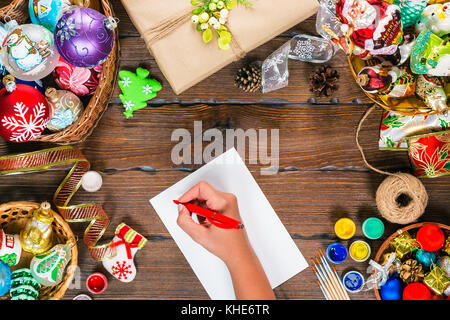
411 271
324 81
249 78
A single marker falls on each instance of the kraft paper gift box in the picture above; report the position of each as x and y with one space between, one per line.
183 58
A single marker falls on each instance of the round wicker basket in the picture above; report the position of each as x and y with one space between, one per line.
86 123
411 229
13 217
410 106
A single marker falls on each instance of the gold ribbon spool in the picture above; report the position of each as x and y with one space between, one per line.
89 212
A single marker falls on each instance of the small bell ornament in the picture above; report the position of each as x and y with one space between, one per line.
48 268
10 248
28 52
66 108
24 112
37 236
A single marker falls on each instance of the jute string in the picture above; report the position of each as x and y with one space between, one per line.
168 25
394 187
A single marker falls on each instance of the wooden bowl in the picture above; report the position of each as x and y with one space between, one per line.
13 217
411 229
410 106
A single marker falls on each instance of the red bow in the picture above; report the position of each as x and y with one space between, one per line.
128 245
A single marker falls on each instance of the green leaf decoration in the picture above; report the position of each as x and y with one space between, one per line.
230 4
207 35
393 122
223 44
390 143
198 11
444 124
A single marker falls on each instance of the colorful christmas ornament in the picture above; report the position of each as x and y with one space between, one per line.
66 108
28 52
430 55
431 90
10 248
435 18
37 236
430 237
35 84
416 291
48 268
426 258
444 263
387 81
24 286
85 37
47 12
127 243
91 181
447 245
404 244
410 10
137 89
81 81
24 113
392 289
437 280
5 278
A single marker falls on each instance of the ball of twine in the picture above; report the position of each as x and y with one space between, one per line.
401 198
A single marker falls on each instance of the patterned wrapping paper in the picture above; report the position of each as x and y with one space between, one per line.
429 154
395 128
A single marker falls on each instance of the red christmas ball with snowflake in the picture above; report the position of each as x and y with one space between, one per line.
24 112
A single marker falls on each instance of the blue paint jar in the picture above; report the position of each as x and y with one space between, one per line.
353 281
337 253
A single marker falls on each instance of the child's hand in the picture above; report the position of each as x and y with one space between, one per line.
227 244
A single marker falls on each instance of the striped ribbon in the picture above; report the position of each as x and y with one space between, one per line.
89 212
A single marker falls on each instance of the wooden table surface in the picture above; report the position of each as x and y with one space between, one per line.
321 175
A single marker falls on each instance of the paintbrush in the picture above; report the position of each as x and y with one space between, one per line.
339 294
326 280
333 276
328 294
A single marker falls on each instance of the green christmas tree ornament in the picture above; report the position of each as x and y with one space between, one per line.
137 89
410 10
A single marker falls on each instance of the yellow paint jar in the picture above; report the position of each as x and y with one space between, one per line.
360 251
345 228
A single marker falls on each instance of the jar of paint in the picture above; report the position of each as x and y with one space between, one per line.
353 281
96 283
345 228
337 253
373 228
360 251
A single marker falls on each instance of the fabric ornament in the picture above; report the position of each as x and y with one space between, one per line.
48 268
28 52
84 37
127 242
437 280
81 81
47 12
10 248
66 108
395 128
137 89
5 278
25 112
429 154
24 286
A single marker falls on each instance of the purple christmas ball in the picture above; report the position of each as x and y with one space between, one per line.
84 37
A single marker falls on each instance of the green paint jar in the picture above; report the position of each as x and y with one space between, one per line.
373 228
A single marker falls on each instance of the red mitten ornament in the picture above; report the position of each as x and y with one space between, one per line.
24 112
128 242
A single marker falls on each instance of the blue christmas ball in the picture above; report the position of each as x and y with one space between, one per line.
392 289
426 258
5 278
35 84
47 12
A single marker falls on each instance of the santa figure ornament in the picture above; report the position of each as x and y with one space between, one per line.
127 242
24 112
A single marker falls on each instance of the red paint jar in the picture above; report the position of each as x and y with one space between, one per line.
97 283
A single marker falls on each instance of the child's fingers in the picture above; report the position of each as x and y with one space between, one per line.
194 230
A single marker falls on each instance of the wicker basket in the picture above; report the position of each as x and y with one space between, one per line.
410 106
385 247
13 217
83 127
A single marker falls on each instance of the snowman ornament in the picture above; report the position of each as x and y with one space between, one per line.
24 51
126 242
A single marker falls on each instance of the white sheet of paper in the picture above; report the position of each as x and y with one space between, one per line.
277 252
